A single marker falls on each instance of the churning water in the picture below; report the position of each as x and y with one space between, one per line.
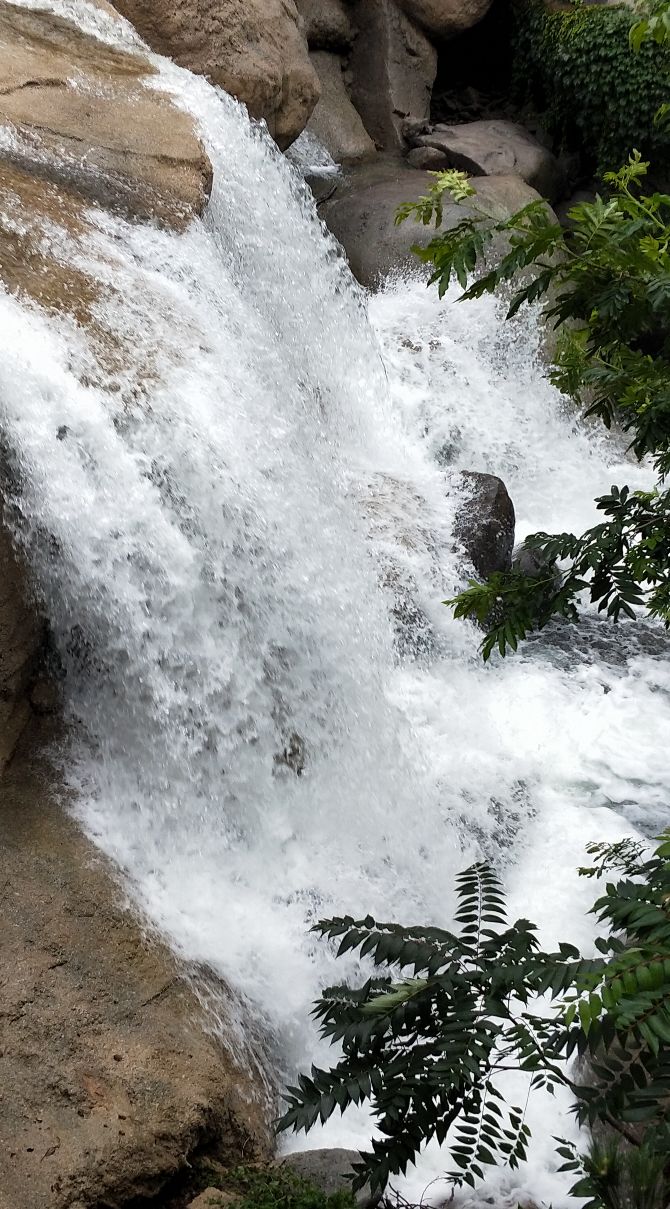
243 531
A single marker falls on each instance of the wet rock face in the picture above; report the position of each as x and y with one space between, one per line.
110 1081
77 115
255 49
485 523
21 641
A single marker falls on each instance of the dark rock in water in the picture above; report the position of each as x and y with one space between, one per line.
532 563
328 1170
21 642
485 523
293 755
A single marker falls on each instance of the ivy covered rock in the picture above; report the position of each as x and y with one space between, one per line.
574 63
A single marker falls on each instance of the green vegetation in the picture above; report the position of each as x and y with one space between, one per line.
280 1188
273 1187
574 64
605 283
428 1043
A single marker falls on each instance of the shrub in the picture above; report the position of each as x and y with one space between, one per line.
574 62
606 284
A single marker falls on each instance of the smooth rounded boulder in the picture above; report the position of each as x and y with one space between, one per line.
361 214
446 18
254 49
495 148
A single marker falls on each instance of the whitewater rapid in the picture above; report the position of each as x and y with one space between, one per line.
242 539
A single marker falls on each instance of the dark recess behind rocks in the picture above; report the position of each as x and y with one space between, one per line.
474 70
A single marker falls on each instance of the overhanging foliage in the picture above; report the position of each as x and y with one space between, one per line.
428 1043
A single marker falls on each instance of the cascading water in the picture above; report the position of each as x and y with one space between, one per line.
230 530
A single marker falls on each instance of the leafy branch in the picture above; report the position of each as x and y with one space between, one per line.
428 1042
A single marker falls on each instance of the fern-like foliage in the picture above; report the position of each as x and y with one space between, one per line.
427 1043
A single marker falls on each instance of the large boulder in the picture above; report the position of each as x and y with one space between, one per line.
254 49
393 67
111 1081
329 1169
361 214
327 24
495 148
485 523
80 116
335 122
21 643
446 18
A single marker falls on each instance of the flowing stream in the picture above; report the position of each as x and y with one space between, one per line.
243 536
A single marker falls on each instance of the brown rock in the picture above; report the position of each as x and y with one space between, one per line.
30 264
253 49
393 68
45 697
335 121
327 24
427 159
109 1081
361 214
215 1198
497 148
446 18
109 138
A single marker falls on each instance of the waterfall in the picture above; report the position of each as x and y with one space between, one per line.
242 530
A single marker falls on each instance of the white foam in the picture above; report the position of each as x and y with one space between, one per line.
221 512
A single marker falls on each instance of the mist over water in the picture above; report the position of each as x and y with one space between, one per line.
243 529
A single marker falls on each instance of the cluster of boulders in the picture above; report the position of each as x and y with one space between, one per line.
281 58
358 74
